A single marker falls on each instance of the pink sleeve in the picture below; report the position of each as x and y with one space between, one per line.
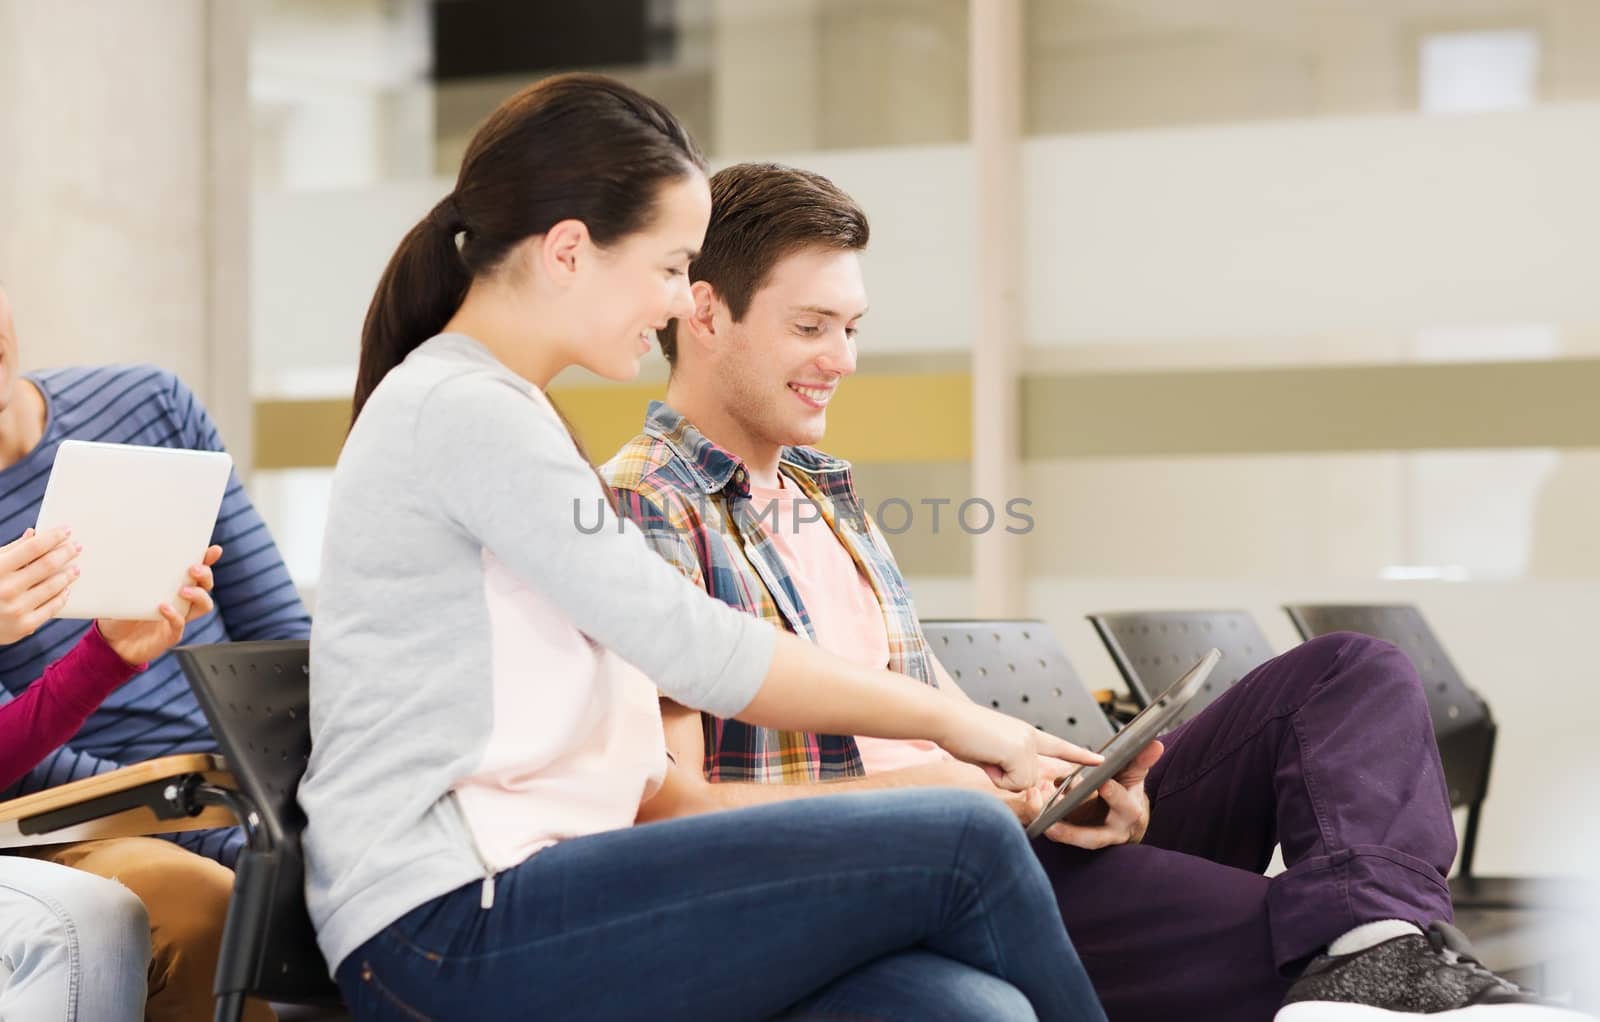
54 707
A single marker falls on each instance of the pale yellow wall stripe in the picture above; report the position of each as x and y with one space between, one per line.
915 418
899 418
1478 405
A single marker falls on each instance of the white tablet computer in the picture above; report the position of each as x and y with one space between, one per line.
1079 786
143 515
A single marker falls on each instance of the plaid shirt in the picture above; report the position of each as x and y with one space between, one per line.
691 498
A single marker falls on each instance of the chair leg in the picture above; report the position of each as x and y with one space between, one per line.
243 931
1469 841
230 1007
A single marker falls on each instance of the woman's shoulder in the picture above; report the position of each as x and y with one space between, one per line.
450 374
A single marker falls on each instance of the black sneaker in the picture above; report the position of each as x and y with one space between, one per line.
1430 974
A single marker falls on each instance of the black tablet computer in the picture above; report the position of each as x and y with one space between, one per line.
1077 787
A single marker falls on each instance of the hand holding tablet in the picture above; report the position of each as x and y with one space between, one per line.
139 642
1081 785
1117 813
142 516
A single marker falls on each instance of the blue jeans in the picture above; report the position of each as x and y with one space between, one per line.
73 946
924 906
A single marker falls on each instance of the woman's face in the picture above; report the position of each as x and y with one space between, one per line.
634 286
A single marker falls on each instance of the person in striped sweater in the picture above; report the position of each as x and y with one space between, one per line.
187 881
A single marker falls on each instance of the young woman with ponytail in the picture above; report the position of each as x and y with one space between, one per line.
486 732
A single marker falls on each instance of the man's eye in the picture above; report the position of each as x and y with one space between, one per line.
808 330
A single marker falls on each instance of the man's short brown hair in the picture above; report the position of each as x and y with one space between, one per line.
760 213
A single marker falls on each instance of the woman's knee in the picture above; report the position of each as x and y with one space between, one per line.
982 813
916 986
109 915
967 995
992 841
114 949
981 997
60 903
939 816
71 941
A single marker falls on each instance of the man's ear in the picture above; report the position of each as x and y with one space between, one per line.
556 252
708 311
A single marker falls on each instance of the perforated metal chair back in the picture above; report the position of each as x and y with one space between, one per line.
1461 719
1153 648
255 696
1019 668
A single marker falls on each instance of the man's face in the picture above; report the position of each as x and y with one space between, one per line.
781 364
8 353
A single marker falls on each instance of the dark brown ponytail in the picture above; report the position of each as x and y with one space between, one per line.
421 288
576 146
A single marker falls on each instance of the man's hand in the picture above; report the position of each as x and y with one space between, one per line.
1118 814
1027 805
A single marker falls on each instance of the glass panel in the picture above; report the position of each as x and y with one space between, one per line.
1470 72
1451 516
1206 184
1112 65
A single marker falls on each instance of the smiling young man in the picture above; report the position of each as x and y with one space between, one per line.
1327 750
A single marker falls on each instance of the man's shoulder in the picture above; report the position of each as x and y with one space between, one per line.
138 403
649 466
91 384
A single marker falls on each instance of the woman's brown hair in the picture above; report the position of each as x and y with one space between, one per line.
572 147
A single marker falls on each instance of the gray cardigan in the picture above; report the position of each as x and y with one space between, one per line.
457 477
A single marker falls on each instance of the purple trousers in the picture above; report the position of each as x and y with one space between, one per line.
1327 750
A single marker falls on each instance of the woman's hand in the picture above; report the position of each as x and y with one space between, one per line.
139 642
36 572
1014 753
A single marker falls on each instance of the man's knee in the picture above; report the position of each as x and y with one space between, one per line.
184 894
1354 658
186 897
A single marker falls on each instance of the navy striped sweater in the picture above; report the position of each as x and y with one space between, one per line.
154 714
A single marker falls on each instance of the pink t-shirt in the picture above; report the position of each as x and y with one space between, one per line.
845 615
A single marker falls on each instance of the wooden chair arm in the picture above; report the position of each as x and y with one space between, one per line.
132 801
